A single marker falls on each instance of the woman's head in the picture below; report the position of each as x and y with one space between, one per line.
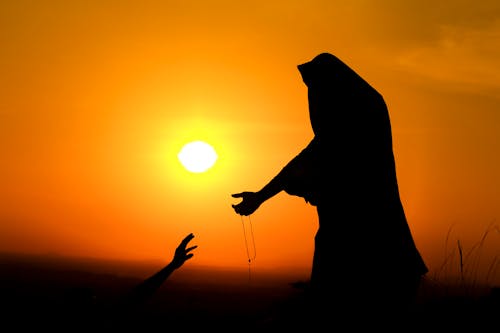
326 70
335 92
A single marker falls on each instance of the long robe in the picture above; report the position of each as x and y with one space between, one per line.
363 245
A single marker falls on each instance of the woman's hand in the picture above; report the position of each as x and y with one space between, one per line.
251 201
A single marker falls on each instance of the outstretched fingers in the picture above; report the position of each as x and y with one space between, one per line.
189 249
187 238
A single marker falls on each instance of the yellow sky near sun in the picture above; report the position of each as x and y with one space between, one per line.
97 97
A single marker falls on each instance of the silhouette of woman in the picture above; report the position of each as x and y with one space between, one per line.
363 251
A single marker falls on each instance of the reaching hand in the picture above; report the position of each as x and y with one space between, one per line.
182 254
251 201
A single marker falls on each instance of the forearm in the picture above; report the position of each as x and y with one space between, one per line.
151 284
278 183
272 188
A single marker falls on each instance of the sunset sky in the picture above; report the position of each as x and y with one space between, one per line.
98 97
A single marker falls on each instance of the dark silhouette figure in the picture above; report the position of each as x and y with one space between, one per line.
146 289
365 257
125 311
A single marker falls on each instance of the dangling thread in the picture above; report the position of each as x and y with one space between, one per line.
250 258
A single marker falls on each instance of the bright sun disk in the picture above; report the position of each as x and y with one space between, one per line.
197 156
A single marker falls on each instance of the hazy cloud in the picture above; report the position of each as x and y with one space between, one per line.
465 57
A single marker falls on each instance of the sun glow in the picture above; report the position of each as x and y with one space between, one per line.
197 156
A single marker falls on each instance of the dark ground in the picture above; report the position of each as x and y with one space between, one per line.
60 295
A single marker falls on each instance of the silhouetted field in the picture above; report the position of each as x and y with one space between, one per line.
63 295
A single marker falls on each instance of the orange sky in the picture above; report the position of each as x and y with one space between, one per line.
97 97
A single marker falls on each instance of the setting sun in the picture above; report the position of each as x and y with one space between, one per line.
197 156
